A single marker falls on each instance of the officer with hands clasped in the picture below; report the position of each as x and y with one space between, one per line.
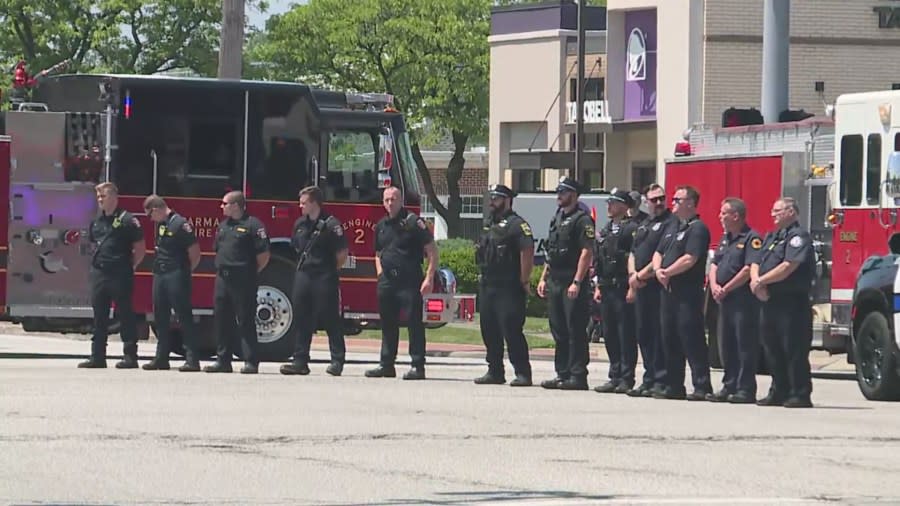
242 251
119 248
611 268
781 277
318 237
738 322
505 257
177 255
569 253
680 266
401 240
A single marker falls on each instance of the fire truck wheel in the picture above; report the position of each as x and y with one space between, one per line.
276 326
876 359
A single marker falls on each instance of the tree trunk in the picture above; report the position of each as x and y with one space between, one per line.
231 43
449 213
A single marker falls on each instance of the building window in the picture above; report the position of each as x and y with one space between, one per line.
593 89
472 204
873 169
526 180
642 175
851 170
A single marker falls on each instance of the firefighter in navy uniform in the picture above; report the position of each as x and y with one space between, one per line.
564 283
647 291
401 240
120 248
781 277
680 266
505 257
177 255
611 268
738 322
242 251
319 240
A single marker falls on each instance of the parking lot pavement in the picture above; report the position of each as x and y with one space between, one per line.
136 437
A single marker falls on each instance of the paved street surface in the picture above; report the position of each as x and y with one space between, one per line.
135 437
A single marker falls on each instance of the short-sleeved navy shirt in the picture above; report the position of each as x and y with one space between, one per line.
647 237
239 241
689 237
400 243
322 254
113 236
792 244
736 251
173 238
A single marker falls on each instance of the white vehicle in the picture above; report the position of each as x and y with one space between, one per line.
539 208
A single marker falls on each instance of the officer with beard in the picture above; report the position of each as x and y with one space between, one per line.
505 256
569 253
611 268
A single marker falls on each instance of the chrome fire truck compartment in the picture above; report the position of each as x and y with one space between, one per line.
759 164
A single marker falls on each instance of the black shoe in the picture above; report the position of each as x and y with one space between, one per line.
552 384
190 366
301 368
156 365
798 402
218 367
335 368
772 399
698 395
639 391
670 394
250 368
127 362
382 372
415 373
741 397
490 379
624 387
720 396
574 384
607 388
521 381
93 363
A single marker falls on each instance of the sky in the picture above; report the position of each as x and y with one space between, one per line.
258 19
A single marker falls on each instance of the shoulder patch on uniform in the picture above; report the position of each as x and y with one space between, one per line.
261 233
186 226
656 226
526 229
162 230
421 223
135 222
756 243
796 241
338 230
589 231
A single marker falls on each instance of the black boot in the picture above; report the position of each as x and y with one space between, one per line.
190 366
335 368
382 371
93 363
491 378
218 367
296 367
250 368
415 373
607 388
157 364
128 362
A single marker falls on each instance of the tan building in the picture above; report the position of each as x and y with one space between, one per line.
706 56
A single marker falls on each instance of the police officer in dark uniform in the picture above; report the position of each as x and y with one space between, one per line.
505 256
611 268
647 291
781 277
242 251
318 238
119 249
569 254
177 254
680 266
401 240
738 322
635 213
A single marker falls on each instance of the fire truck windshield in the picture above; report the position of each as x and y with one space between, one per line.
408 166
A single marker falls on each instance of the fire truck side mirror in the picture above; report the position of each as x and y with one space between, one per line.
892 177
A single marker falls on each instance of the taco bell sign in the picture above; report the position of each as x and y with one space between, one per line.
640 64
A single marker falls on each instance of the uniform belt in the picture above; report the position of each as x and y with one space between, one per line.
227 271
164 267
111 266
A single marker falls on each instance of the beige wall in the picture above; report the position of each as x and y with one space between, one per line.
835 41
627 149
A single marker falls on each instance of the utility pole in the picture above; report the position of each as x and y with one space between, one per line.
776 58
231 41
579 94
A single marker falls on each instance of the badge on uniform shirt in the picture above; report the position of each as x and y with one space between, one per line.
796 241
162 230
756 243
502 223
240 229
117 222
338 230
740 245
526 229
261 233
656 226
589 231
680 236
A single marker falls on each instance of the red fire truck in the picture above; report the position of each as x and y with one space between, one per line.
191 140
837 169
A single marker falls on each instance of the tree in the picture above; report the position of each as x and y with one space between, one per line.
231 43
432 55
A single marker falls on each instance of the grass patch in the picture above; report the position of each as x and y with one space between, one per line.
471 334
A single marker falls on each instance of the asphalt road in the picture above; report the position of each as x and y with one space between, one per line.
71 436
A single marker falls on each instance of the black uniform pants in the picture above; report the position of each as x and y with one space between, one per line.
738 329
172 290
235 313
316 300
108 286
787 336
684 336
618 334
502 318
394 297
649 332
568 324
